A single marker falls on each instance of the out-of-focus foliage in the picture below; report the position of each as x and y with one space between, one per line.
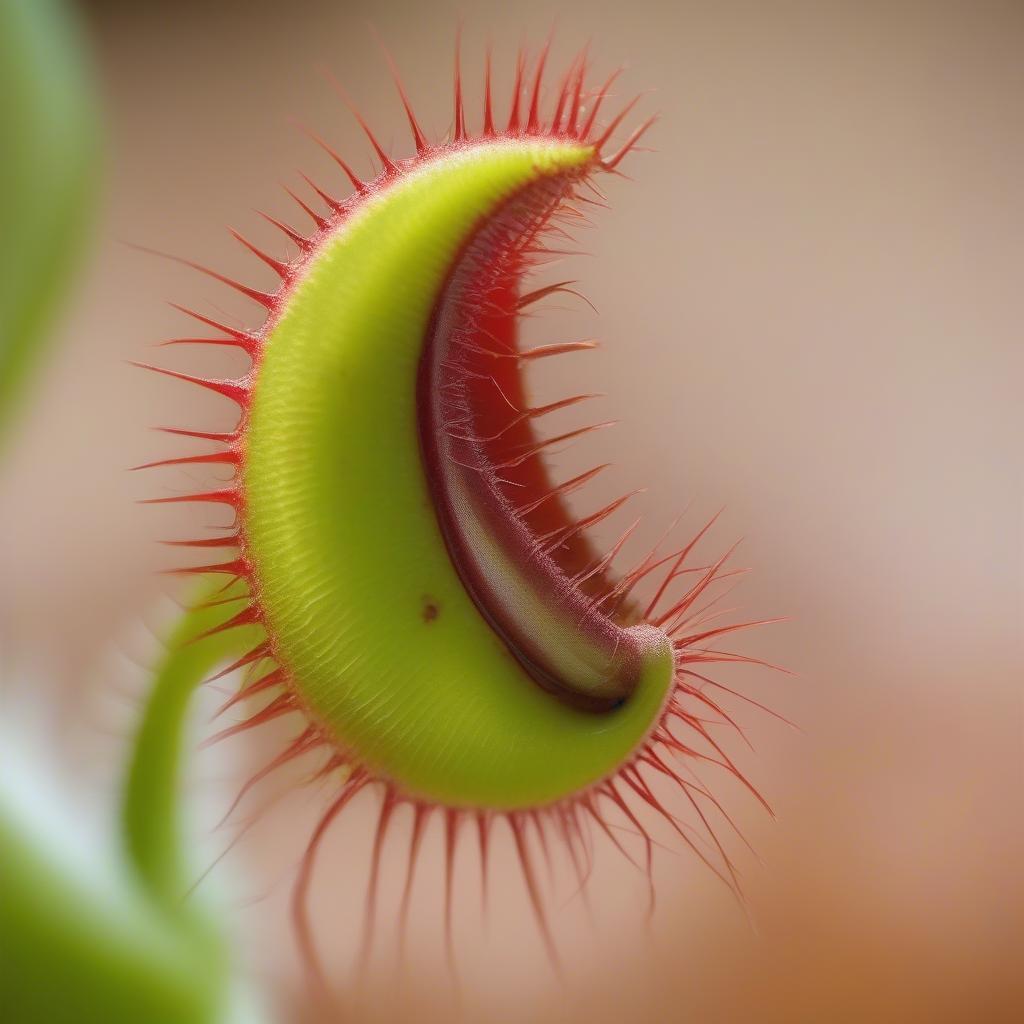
49 147
126 944
81 943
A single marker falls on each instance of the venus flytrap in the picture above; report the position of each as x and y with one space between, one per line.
403 576
432 613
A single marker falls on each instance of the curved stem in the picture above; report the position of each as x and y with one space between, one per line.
150 813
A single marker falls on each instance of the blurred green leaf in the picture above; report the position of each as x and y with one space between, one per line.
108 946
77 946
48 169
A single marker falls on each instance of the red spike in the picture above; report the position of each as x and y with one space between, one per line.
587 804
648 797
541 254
620 802
711 634
682 556
419 139
727 763
420 812
459 134
674 710
280 705
542 839
237 391
225 496
707 656
335 763
206 341
246 617
536 449
613 162
483 836
517 91
567 829
258 653
300 894
248 341
230 457
690 596
265 299
230 541
616 121
488 129
584 839
563 95
282 270
542 351
646 564
600 204
452 819
320 222
562 489
571 125
704 613
335 204
370 908
562 534
236 567
601 96
730 867
559 288
735 693
602 564
305 244
267 682
357 183
645 567
529 877
696 590
535 412
386 161
205 435
305 742
533 118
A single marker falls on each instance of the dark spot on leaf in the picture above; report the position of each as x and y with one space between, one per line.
430 610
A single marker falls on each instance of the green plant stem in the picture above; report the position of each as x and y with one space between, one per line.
151 818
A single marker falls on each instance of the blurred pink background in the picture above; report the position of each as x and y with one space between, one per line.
811 303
